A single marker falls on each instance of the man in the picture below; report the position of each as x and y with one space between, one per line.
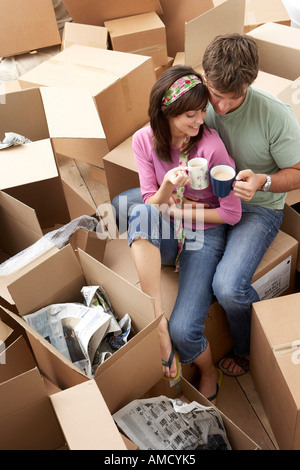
263 136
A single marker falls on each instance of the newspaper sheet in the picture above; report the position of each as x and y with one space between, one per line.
161 423
84 334
11 139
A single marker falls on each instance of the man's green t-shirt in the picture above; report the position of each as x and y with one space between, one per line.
263 134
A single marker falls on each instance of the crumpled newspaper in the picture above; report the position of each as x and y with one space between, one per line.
12 139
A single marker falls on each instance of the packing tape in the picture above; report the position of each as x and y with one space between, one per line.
126 93
286 348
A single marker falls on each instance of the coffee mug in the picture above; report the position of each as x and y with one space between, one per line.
198 173
222 178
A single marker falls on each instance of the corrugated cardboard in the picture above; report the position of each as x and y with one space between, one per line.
274 361
140 34
271 83
138 374
95 12
119 82
27 25
84 35
279 49
29 174
201 30
60 279
258 12
175 14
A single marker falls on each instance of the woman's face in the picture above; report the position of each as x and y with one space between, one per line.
187 123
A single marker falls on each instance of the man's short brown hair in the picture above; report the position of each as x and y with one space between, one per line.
231 62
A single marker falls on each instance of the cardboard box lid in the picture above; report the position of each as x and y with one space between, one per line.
82 66
27 25
85 419
228 16
34 161
95 12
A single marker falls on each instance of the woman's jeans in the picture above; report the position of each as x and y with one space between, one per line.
198 261
223 263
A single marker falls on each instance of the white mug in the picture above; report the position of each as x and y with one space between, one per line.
198 173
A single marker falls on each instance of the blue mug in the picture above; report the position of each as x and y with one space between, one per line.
222 178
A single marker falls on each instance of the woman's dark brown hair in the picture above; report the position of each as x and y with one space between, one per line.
194 99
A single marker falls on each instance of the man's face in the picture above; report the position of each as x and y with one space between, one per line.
224 103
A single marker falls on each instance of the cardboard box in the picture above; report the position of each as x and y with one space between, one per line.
279 49
119 82
27 25
84 35
201 30
258 12
162 68
291 96
29 174
95 12
175 14
274 361
59 279
138 374
74 419
140 34
291 225
67 116
271 83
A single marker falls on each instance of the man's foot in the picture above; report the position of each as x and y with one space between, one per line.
166 346
234 365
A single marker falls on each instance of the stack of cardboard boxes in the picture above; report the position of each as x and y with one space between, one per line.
85 102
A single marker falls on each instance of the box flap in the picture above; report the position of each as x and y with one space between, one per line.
126 371
58 279
85 419
24 400
27 25
228 16
15 360
19 224
124 297
5 332
71 113
35 162
95 12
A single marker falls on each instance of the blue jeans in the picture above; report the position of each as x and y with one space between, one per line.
246 243
198 261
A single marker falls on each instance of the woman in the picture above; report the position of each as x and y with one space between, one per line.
187 230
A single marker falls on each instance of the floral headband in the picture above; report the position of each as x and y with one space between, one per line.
180 87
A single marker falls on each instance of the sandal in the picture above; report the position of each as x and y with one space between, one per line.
239 360
169 363
219 381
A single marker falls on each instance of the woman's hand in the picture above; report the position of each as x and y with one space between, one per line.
178 176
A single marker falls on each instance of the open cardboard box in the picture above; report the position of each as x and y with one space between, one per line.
67 116
74 419
95 12
29 174
274 362
143 34
59 279
84 34
138 374
27 25
119 82
279 49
